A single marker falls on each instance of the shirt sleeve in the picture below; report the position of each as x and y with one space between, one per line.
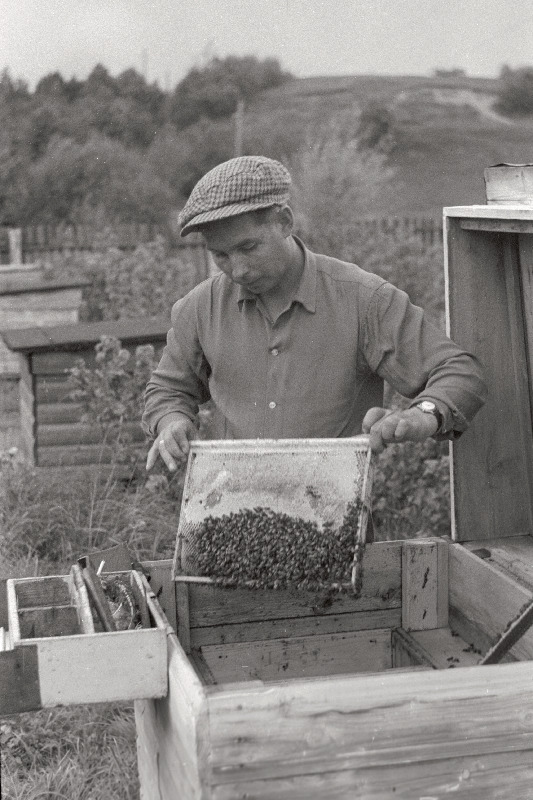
420 362
180 381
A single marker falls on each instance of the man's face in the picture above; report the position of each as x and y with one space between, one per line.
251 253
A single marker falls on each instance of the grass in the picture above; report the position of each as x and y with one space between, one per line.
47 520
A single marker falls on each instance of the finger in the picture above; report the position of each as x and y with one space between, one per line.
372 416
383 432
402 430
166 456
152 455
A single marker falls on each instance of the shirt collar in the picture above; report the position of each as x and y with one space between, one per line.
306 291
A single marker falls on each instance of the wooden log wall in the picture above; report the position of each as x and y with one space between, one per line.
52 430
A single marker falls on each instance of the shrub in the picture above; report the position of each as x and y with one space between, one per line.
515 97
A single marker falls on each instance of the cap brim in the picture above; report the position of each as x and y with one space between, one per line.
232 210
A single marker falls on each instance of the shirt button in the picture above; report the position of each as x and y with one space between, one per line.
272 404
275 351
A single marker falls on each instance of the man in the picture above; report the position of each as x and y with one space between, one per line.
291 344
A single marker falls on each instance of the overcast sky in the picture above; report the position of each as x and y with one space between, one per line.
165 38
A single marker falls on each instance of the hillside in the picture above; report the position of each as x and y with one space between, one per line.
446 132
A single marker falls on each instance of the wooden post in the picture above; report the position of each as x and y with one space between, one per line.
15 245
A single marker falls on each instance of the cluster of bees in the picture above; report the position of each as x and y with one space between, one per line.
264 549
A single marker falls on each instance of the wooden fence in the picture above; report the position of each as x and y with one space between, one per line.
41 240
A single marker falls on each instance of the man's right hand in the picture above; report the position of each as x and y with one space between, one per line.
172 443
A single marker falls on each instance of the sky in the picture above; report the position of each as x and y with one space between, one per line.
164 39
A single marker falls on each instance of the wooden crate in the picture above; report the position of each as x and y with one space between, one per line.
294 695
51 661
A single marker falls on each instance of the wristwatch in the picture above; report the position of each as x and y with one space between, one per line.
428 407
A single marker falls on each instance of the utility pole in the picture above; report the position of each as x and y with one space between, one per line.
238 129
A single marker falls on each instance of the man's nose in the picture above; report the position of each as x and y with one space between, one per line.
239 267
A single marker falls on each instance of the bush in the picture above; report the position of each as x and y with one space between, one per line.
515 97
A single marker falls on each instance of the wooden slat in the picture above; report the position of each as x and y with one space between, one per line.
419 585
74 455
487 597
58 413
315 727
27 410
172 735
296 626
183 616
498 225
406 652
51 621
513 554
525 248
51 389
19 680
445 650
300 657
210 605
492 485
500 776
47 591
64 435
162 585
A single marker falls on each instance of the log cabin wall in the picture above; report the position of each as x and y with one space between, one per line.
489 278
52 432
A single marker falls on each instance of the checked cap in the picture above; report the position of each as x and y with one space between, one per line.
242 184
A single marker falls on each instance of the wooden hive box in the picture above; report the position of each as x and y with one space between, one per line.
57 654
294 695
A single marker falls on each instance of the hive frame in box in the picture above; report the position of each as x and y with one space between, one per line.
77 664
340 452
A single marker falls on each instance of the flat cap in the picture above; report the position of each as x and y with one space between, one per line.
234 187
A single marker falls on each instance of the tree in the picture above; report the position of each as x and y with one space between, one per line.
214 90
376 128
515 97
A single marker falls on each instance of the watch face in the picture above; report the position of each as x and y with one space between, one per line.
427 406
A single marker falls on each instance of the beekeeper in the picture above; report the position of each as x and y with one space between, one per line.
288 343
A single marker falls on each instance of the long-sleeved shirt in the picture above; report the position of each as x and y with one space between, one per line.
317 369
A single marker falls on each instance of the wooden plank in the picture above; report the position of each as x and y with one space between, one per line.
443 600
51 621
19 680
314 727
505 776
296 626
525 249
487 597
446 650
81 598
513 554
103 668
59 363
27 410
182 614
498 225
172 735
52 590
51 389
64 435
211 605
406 652
58 413
162 586
419 585
492 486
300 657
75 455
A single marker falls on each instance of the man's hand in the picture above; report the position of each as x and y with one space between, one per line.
172 443
387 427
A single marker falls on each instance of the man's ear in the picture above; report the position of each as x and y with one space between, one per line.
286 220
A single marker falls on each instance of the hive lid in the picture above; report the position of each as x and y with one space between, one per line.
312 479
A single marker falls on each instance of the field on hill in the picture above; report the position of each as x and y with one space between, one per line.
445 132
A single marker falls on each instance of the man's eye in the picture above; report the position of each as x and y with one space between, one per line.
248 247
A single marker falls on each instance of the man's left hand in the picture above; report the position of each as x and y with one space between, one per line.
389 427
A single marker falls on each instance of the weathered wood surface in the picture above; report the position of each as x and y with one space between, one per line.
325 726
492 485
211 605
172 735
513 554
487 597
296 626
52 621
498 225
64 435
300 657
53 590
525 249
419 585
